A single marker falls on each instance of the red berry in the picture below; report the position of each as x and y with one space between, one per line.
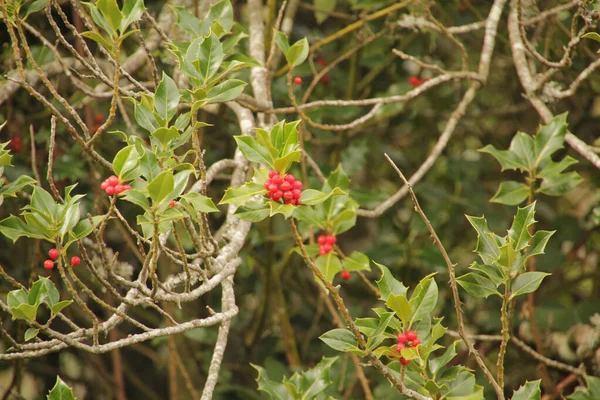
272 173
110 190
400 346
289 178
416 342
172 204
327 247
297 193
48 264
413 80
401 338
322 239
273 187
53 254
276 179
113 180
104 185
411 335
119 189
126 187
277 195
15 144
331 239
75 260
297 185
298 202
404 361
297 80
321 62
322 252
288 195
267 184
98 118
345 274
285 186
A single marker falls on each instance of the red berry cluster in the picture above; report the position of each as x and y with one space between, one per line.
112 185
326 242
53 254
405 341
286 188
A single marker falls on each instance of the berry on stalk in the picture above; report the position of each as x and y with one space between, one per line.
75 260
53 254
48 264
345 274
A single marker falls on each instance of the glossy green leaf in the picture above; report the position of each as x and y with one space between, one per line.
58 307
329 265
507 159
27 312
538 243
357 261
96 37
550 137
282 41
226 91
527 282
166 98
275 390
592 35
210 56
399 304
13 228
253 151
387 284
132 11
111 12
511 193
423 299
313 197
529 391
487 242
60 391
435 364
519 231
284 209
31 333
199 203
126 162
297 53
99 19
592 392
239 196
493 272
165 135
161 186
37 5
477 285
560 184
340 340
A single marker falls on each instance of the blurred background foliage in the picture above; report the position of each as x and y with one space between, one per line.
282 312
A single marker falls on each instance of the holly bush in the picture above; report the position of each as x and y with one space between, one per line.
209 200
